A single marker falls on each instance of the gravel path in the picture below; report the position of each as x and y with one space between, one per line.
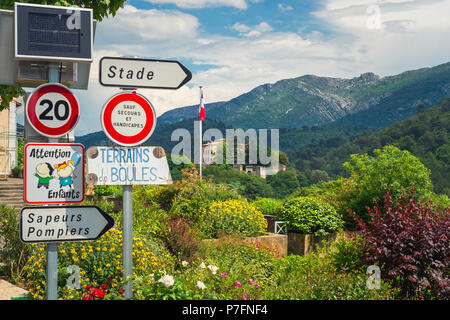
8 290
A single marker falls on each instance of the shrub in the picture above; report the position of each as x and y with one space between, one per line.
314 277
100 263
196 194
391 168
113 191
339 193
410 242
308 215
347 253
268 206
13 252
232 216
182 239
241 261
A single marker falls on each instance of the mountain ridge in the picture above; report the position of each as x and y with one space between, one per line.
311 100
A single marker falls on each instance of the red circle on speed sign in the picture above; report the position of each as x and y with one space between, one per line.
128 119
52 110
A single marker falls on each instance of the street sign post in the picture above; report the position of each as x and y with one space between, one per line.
53 173
128 119
127 166
58 224
143 73
52 110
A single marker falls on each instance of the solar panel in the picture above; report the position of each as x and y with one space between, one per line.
53 33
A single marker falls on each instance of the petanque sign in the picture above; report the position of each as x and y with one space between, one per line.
128 119
53 173
127 166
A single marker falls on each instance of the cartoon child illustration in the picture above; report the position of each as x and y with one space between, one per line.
44 173
65 173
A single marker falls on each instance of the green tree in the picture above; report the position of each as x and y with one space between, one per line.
101 9
391 168
317 176
283 183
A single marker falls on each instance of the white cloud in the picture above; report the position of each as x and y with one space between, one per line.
189 4
149 25
284 7
414 34
255 31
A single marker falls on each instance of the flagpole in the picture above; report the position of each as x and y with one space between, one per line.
201 138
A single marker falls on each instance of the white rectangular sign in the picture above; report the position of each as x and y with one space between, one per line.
53 173
56 224
127 166
143 73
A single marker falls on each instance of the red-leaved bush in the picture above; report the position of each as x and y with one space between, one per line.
410 241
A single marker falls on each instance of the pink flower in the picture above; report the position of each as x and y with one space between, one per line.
251 281
223 275
244 296
237 284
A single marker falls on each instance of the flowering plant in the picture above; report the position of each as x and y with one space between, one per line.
99 262
232 216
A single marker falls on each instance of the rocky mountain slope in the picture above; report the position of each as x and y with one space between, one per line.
309 100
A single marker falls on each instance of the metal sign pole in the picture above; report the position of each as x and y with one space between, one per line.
52 248
128 238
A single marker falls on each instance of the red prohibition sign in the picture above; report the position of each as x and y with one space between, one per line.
110 128
61 124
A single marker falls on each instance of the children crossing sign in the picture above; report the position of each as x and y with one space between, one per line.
53 173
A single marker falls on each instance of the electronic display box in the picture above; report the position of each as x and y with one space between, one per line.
53 33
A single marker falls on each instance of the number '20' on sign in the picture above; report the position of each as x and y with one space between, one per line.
52 110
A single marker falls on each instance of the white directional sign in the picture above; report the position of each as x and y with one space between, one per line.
127 166
57 224
143 73
53 173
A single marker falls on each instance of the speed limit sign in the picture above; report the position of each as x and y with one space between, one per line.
52 110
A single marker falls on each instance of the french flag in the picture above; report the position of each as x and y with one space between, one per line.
202 107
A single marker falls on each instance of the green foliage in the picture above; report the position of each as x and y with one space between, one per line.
390 168
245 184
230 217
182 238
241 260
315 277
101 8
17 171
13 252
7 93
310 216
283 183
268 206
192 194
227 270
100 263
113 191
425 135
347 254
340 193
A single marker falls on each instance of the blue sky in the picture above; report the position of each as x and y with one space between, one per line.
232 46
